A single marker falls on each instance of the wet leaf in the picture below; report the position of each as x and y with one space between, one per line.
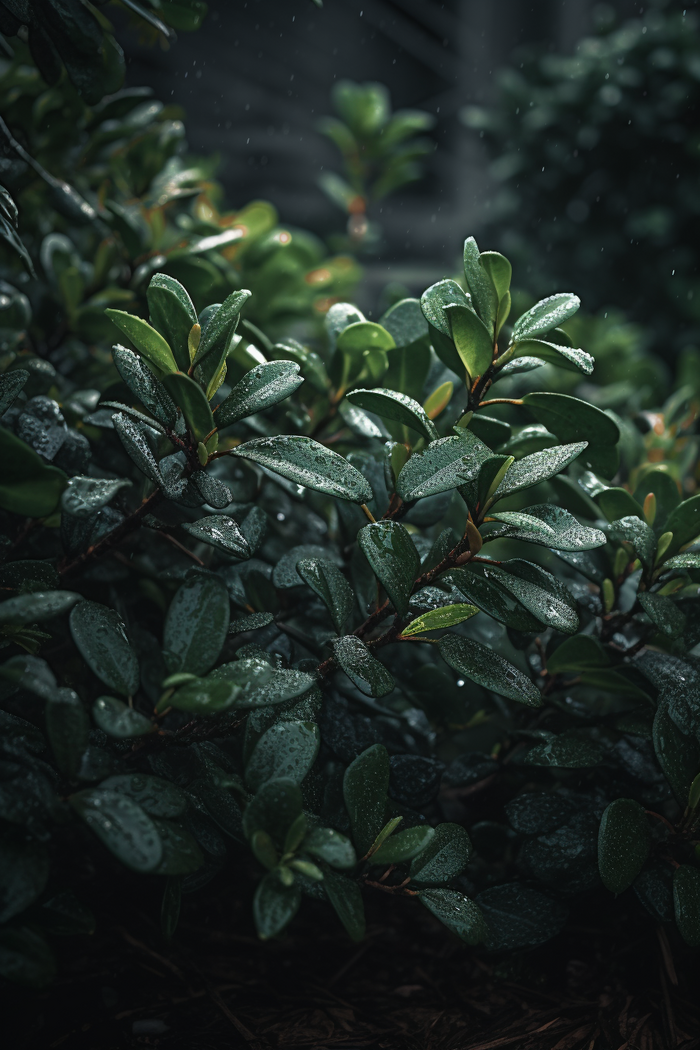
122 825
457 912
539 592
156 796
617 503
393 558
403 846
518 916
100 635
84 495
221 531
554 354
37 606
328 582
346 898
544 316
445 856
220 325
196 625
172 314
439 619
548 526
274 906
147 340
684 523
190 397
686 903
540 466
250 623
639 535
274 809
118 720
143 384
306 462
663 612
624 840
390 404
329 845
287 749
572 419
368 674
483 291
29 486
488 669
472 339
365 787
68 730
136 447
11 384
565 753
263 386
444 465
260 684
678 754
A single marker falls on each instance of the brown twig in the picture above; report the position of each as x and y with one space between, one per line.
114 537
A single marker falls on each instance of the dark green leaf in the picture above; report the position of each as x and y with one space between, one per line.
684 523
403 846
578 654
472 339
263 386
329 845
518 916
306 462
170 907
346 898
677 754
143 384
639 535
221 531
68 730
686 903
572 419
565 752
457 912
219 326
172 314
100 635
549 526
393 405
122 825
365 787
117 719
617 503
258 683
368 674
539 592
25 957
156 796
405 322
540 466
274 906
328 582
482 288
488 669
624 840
37 606
24 872
11 383
29 487
274 809
136 446
196 625
84 495
444 465
190 397
287 749
394 559
478 584
663 612
445 856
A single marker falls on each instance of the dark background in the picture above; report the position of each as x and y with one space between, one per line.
258 75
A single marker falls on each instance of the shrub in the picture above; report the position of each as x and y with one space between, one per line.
596 156
301 608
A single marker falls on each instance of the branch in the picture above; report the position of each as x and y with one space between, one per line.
114 537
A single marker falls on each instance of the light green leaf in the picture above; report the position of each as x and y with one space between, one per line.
147 340
488 669
190 397
100 635
440 619
364 335
403 846
472 339
307 462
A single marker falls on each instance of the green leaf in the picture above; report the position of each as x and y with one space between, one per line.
403 846
365 787
544 316
678 754
220 531
405 322
490 477
274 906
307 462
488 669
639 535
368 674
499 270
686 903
617 503
482 288
388 830
564 752
24 872
11 383
84 495
540 466
329 845
122 825
364 335
478 584
445 856
472 339
260 684
577 654
572 419
37 606
571 359
457 912
264 850
684 523
436 298
346 898
440 619
136 447
220 325
688 560
548 526
664 488
25 957
196 625
118 720
394 559
263 386
68 730
9 225
390 404
445 464
328 582
539 592
100 635
172 314
190 397
250 623
149 343
143 384
29 487
624 840
492 431
663 612
518 916
287 749
156 796
274 809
